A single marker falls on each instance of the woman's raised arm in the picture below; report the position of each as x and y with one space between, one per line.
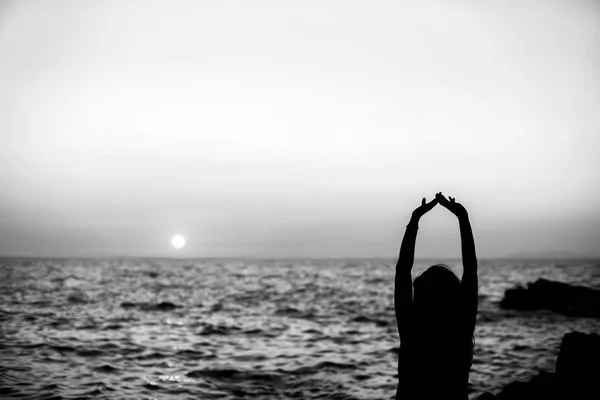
469 281
403 281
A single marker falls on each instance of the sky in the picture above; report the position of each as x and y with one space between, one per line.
297 129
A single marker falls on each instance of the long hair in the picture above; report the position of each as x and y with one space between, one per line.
440 315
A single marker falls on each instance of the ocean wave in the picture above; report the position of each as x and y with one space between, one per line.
210 329
370 320
162 306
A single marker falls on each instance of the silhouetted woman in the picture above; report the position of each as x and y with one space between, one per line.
435 324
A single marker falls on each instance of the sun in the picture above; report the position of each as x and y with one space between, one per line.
178 241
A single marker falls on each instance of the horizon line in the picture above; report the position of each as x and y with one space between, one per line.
269 258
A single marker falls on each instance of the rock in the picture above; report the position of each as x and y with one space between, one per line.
578 362
555 296
542 386
577 371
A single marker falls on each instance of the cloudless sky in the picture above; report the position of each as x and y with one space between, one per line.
297 128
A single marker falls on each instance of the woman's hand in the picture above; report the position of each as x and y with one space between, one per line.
424 208
454 207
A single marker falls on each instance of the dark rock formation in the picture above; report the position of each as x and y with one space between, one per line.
576 376
542 386
555 296
579 360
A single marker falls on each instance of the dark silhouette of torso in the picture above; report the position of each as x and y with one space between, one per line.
431 367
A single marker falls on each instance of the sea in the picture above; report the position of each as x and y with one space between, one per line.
260 329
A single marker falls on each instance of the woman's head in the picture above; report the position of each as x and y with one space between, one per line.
437 292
